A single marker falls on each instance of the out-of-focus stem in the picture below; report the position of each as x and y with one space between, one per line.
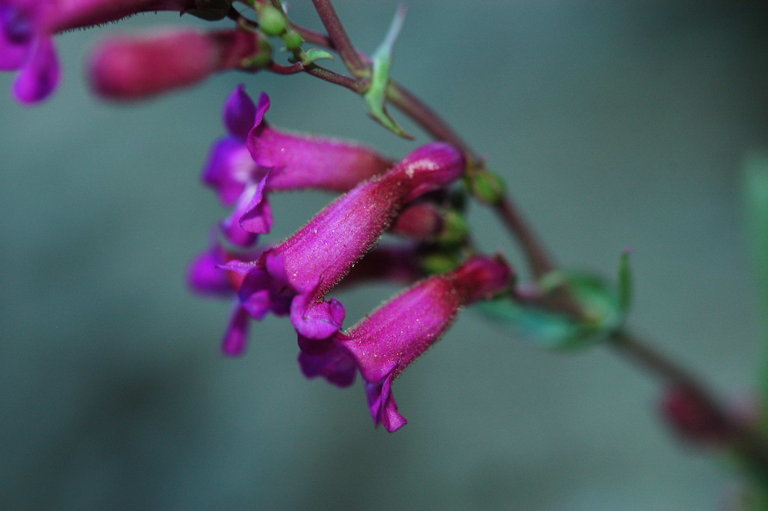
747 443
539 260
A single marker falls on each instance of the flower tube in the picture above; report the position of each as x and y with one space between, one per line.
136 67
383 344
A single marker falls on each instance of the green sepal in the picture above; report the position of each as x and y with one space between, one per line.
455 228
376 95
260 59
292 40
486 186
440 262
598 300
314 54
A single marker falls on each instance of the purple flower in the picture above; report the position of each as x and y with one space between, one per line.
294 277
26 46
383 344
255 159
27 28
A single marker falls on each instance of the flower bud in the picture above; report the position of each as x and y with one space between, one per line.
694 418
134 67
428 222
271 20
422 221
486 186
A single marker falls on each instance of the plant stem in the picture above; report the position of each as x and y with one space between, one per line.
748 444
427 118
338 35
538 259
314 37
327 75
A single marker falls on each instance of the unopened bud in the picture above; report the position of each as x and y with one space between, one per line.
425 221
486 186
292 40
693 417
422 221
136 67
271 20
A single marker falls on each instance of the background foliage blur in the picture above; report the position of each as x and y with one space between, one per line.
615 123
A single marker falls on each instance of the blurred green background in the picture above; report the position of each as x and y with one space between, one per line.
615 123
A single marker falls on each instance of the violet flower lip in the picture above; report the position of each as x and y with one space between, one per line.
27 29
256 159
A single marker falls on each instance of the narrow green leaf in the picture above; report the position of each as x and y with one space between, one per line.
755 192
376 95
625 282
314 54
756 198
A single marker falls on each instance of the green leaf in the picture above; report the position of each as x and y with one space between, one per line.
756 198
376 95
625 282
599 301
756 204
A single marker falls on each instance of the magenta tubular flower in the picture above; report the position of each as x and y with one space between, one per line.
255 159
295 276
27 28
135 67
383 344
26 46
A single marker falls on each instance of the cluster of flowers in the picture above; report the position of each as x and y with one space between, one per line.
126 67
294 277
336 247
